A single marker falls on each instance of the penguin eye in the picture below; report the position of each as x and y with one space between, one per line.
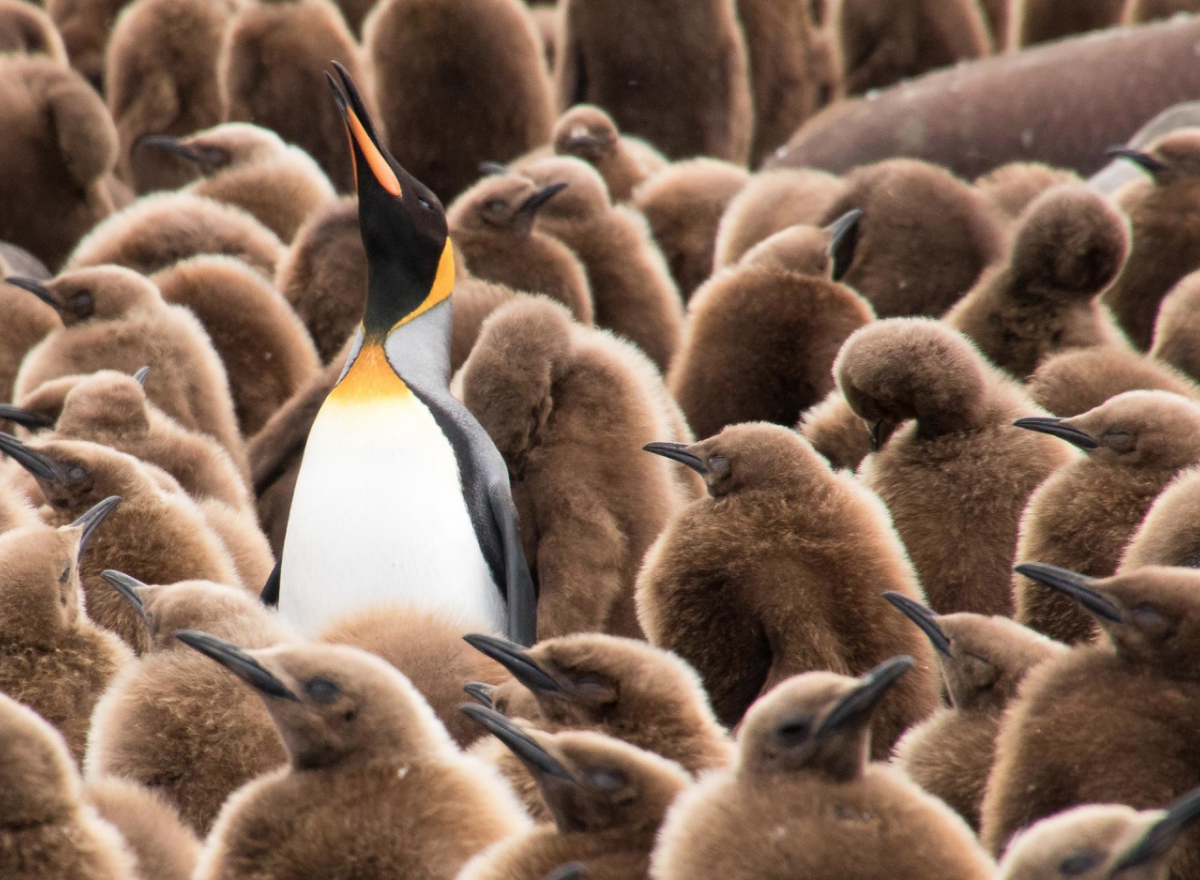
495 206
76 474
792 733
1074 865
606 779
424 203
1118 440
62 578
322 691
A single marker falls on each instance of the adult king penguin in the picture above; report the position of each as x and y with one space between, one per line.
401 497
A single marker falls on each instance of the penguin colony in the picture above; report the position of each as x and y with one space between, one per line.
435 441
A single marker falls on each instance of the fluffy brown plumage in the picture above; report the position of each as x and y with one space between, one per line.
1073 382
85 26
1013 186
26 28
27 322
1177 328
588 133
162 846
1166 535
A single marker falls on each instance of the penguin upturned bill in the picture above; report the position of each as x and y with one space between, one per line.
402 497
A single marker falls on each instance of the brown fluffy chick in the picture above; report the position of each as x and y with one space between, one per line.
323 276
428 648
366 752
683 205
59 148
25 28
1100 841
161 79
159 230
770 202
85 26
953 473
983 661
115 319
112 409
588 133
1072 382
171 721
158 535
802 800
252 168
836 432
47 828
272 67
1166 535
1085 514
765 578
27 322
1013 187
537 381
266 351
163 847
492 226
1108 722
1165 234
607 800
762 335
52 657
1177 329
632 290
924 239
1068 246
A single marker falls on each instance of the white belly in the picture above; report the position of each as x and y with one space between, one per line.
378 518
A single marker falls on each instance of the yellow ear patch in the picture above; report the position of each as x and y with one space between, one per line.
379 166
443 283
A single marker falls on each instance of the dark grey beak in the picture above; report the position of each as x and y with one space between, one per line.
238 662
924 618
526 748
856 707
1143 160
481 693
1057 428
91 519
532 204
1077 586
678 452
128 587
23 417
516 660
37 289
1162 835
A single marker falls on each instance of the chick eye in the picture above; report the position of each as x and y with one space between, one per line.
1073 866
794 732
322 691
76 474
66 573
424 203
495 206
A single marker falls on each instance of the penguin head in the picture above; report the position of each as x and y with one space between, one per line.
502 203
1155 430
333 705
229 145
39 784
108 402
584 196
983 659
586 132
809 250
1173 158
410 260
101 293
590 782
816 722
74 475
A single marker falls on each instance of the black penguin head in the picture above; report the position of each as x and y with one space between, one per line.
410 261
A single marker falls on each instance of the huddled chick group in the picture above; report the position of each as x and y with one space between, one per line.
859 488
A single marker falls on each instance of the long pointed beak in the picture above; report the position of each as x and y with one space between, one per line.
1143 160
171 145
1057 428
238 662
679 452
91 520
843 238
1161 836
521 744
364 141
516 660
924 618
37 464
141 375
539 198
857 706
36 288
481 693
128 587
1077 586
23 417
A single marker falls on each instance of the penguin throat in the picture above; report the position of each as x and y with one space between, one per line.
371 377
394 299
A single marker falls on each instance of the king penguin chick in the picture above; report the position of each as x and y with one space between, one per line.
171 721
1177 328
953 473
1070 383
1067 248
1166 535
391 452
27 322
588 133
59 150
760 581
1126 702
163 847
52 658
802 800
47 828
1084 515
1013 187
632 290
116 319
27 29
161 229
836 432
157 534
251 168
762 336
367 753
272 67
267 354
483 58
983 661
679 78
924 239
683 205
536 381
161 80
607 800
492 225
1165 235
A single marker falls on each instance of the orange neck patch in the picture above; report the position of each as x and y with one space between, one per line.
370 378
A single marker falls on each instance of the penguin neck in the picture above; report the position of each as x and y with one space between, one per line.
417 350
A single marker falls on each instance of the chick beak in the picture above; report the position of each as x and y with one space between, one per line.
516 660
1057 428
91 519
1077 586
129 588
680 452
238 662
528 750
924 618
856 707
